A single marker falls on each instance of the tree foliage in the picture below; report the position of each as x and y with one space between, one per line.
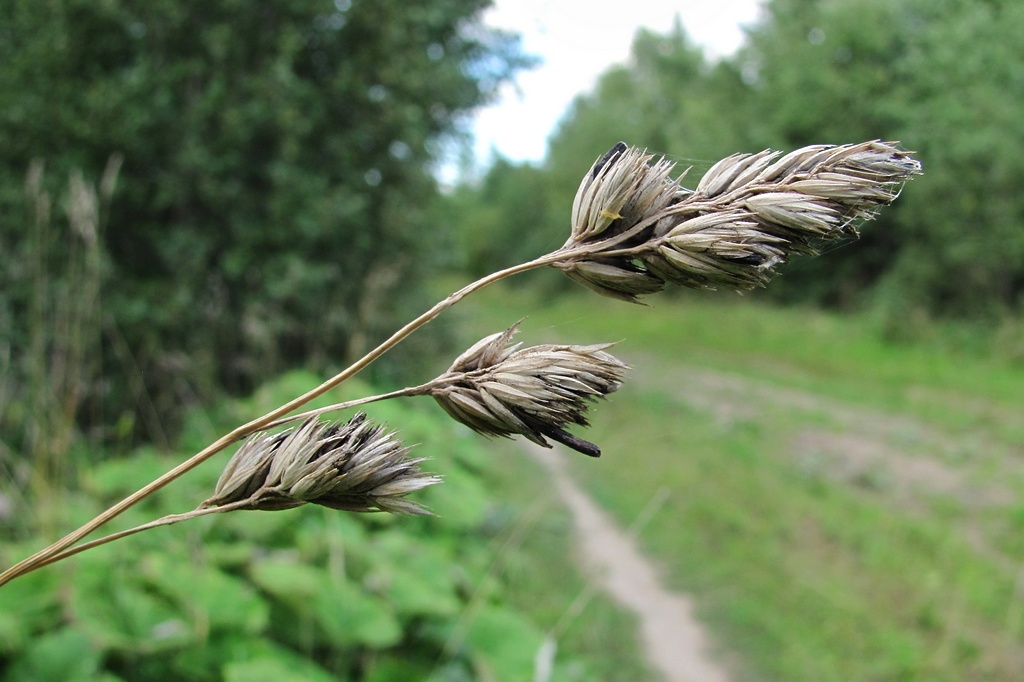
504 218
946 78
276 178
943 77
963 237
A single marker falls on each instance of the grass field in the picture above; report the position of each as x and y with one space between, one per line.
842 508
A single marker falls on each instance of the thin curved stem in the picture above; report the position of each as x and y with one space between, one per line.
162 521
49 554
603 247
349 404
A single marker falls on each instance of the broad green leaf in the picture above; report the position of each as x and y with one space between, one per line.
28 605
269 529
506 641
417 576
268 661
64 655
118 613
234 656
123 475
414 593
229 555
206 595
333 532
219 650
286 579
278 670
461 501
345 613
394 668
349 615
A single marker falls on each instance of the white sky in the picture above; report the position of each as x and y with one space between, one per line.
577 40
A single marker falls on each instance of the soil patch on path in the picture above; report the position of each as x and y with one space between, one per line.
852 443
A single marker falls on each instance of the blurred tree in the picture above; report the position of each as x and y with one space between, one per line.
831 72
962 226
945 77
668 97
822 70
506 219
272 205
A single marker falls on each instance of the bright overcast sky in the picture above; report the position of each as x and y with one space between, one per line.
577 40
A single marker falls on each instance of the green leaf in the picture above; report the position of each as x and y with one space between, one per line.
118 613
348 615
27 605
207 595
288 580
231 555
269 529
413 593
268 661
393 669
343 611
277 669
332 532
222 648
124 475
462 501
417 576
65 655
506 641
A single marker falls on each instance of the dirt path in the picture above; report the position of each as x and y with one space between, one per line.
675 644
897 455
849 442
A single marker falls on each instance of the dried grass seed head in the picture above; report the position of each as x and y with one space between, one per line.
748 214
498 388
615 277
351 466
622 189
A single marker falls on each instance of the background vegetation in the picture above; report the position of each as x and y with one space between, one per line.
944 78
315 595
275 186
196 199
841 507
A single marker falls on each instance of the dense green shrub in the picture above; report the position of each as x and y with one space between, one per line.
275 187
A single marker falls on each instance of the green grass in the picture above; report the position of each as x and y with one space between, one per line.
542 577
823 352
854 514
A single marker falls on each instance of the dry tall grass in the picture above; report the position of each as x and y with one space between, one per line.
634 231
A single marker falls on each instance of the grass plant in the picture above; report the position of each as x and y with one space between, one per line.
634 230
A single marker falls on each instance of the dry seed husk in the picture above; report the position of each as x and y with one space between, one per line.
351 466
533 392
748 214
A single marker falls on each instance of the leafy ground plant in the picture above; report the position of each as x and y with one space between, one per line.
312 594
634 230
